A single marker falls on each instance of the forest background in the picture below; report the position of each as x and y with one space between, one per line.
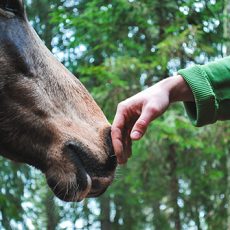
179 176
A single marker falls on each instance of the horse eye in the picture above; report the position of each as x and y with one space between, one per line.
12 6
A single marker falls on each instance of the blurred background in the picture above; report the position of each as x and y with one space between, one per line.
179 176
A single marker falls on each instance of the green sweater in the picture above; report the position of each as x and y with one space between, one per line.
210 85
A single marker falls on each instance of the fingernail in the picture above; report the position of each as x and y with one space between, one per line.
136 135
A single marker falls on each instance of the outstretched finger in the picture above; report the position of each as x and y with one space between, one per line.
117 132
142 123
117 143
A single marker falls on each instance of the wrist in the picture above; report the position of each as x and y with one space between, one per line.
179 90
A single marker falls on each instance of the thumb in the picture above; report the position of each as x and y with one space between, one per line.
141 125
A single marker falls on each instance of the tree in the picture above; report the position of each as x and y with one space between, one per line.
176 178
227 45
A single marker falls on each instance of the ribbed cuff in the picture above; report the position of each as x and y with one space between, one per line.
203 111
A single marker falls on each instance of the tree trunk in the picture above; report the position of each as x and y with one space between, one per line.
227 26
116 225
227 45
86 216
174 187
105 213
197 218
5 221
52 216
159 220
228 188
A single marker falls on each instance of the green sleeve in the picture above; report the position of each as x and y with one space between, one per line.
210 85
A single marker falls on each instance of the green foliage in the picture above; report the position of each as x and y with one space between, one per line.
177 176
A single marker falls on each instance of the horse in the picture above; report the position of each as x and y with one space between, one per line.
48 119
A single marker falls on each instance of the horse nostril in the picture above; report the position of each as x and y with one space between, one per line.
77 150
74 146
100 163
73 150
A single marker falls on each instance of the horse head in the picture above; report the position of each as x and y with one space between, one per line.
47 117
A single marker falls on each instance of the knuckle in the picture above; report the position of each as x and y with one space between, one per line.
115 131
152 109
121 105
142 124
113 128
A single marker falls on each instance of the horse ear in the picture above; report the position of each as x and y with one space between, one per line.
14 6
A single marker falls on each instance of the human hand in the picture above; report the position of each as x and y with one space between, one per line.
135 113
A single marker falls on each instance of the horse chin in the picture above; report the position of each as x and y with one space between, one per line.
69 187
72 187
